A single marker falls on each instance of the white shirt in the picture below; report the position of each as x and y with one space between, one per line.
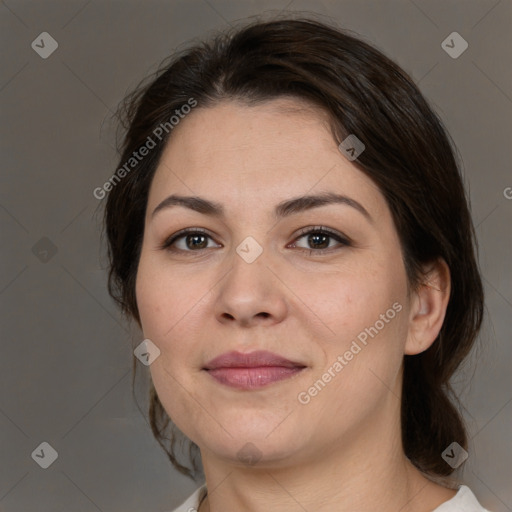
463 501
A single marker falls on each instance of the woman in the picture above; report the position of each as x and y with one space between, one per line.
290 232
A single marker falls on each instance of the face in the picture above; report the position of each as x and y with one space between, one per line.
334 302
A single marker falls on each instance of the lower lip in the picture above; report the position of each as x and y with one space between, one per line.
252 378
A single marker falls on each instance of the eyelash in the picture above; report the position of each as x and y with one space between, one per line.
344 241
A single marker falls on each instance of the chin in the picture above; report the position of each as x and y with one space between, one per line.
251 445
256 454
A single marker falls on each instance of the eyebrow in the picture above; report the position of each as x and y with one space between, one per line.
284 209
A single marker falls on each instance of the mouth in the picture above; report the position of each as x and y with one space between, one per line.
251 370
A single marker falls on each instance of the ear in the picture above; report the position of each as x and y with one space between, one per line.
428 307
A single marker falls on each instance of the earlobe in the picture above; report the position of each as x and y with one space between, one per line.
428 308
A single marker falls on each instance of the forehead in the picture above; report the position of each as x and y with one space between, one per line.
234 130
275 150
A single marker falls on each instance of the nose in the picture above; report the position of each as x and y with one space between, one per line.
251 294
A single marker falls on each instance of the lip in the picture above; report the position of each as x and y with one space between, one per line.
251 370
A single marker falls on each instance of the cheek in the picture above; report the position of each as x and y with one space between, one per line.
346 301
166 308
361 370
172 312
151 301
164 297
365 308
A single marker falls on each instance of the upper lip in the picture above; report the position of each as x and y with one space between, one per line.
250 360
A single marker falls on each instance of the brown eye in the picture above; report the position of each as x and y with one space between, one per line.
319 239
187 241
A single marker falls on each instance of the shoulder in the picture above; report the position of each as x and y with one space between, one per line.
463 501
192 503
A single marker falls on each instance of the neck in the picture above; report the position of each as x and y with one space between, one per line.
364 470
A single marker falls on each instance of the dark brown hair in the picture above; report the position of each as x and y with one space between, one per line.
408 155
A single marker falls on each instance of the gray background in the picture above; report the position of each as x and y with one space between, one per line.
65 370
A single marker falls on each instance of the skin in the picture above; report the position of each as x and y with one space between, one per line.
342 450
